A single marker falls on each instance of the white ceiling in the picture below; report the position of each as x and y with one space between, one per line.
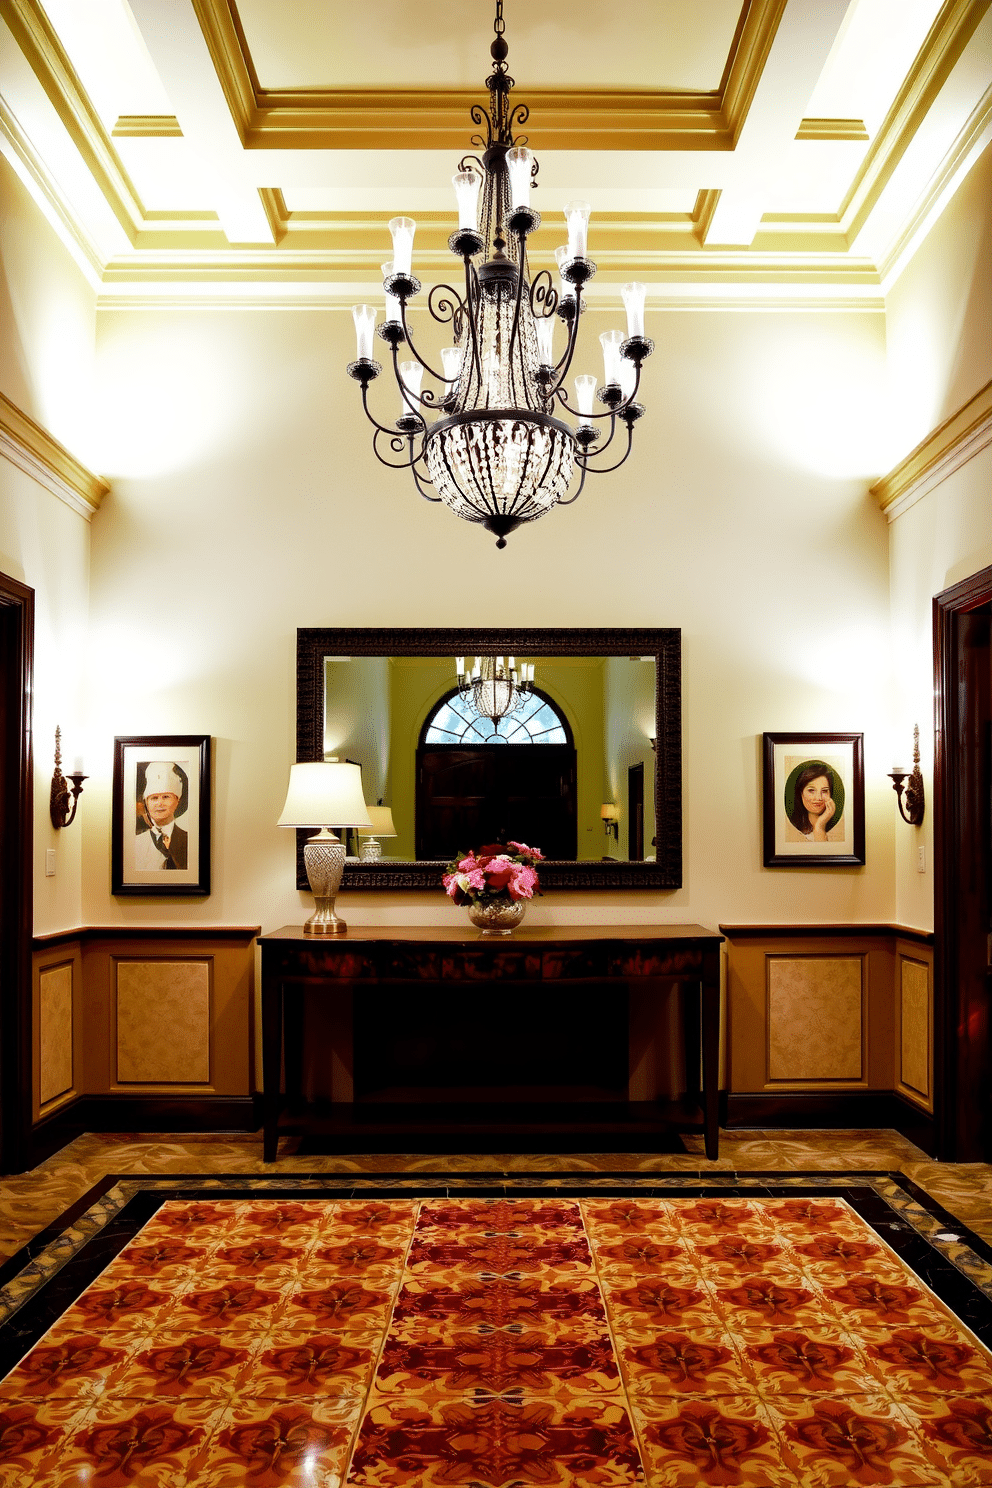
789 149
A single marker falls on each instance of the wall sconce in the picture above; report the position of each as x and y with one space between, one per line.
915 801
654 743
63 811
611 820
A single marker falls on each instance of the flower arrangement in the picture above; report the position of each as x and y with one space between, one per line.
500 872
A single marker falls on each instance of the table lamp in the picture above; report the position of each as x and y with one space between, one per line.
382 826
325 795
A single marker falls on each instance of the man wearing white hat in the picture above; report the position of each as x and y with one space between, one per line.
161 844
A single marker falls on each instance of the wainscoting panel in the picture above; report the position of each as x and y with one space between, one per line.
829 1025
815 1018
163 1022
162 1034
915 1008
55 1032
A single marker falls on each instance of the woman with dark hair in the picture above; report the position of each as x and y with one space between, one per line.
815 802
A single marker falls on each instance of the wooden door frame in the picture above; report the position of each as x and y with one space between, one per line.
969 594
16 875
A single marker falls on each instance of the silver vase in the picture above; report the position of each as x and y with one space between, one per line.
497 916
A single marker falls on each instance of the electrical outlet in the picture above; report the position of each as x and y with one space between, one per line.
921 860
49 862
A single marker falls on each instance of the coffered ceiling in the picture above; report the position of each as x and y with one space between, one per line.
733 151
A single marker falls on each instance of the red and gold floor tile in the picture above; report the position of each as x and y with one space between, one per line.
600 1342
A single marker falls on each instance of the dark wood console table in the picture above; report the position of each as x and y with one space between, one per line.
426 955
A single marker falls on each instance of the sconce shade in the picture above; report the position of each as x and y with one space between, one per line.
327 794
382 822
610 812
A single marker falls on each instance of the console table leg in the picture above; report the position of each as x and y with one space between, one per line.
271 1063
710 988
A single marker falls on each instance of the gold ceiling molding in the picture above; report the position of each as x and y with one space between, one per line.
956 23
561 119
147 126
945 449
47 59
828 129
33 450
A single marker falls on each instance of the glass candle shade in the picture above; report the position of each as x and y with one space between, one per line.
562 255
364 318
519 164
628 377
412 374
577 217
585 387
466 184
451 361
611 342
633 298
544 325
402 229
392 303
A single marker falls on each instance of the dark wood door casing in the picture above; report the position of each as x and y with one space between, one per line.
962 837
16 870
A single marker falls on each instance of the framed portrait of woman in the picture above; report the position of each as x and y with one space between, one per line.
814 800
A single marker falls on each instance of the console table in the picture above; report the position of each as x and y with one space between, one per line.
686 954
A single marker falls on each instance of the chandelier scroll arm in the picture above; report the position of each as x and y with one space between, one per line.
409 341
472 304
567 501
583 462
380 428
419 483
396 443
565 361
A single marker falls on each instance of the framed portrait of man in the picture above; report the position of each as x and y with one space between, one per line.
161 815
813 800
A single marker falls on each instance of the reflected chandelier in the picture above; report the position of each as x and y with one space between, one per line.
494 689
497 452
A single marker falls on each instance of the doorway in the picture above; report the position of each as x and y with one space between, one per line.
16 871
962 621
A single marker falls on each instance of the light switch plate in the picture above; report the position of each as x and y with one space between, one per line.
49 862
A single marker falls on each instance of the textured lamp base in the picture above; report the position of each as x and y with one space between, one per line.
324 859
371 850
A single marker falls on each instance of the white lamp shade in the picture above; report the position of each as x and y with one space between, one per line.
325 795
382 822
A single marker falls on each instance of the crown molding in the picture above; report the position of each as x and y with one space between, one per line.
33 450
422 118
34 34
968 144
945 449
830 129
49 196
956 23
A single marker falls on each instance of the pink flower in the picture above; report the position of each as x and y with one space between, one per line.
523 883
499 871
467 864
528 852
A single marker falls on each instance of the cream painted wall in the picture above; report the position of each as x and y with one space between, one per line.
241 466
48 314
939 316
939 327
629 724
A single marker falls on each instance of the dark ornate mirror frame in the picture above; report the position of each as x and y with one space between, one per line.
665 645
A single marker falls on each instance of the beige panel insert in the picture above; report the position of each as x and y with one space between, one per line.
55 1031
163 1022
915 1026
814 1018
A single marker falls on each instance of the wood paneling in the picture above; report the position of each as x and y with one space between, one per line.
55 1021
815 1018
163 1021
915 1029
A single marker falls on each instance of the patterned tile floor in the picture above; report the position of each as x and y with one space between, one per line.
771 1339
30 1201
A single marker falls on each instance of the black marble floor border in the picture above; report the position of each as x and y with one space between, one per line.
47 1300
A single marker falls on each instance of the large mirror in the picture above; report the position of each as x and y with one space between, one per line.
569 740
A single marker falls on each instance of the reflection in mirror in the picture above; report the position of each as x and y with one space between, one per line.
540 773
546 737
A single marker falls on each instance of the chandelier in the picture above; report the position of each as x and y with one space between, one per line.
494 689
498 451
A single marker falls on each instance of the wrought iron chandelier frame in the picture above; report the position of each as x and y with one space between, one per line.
412 438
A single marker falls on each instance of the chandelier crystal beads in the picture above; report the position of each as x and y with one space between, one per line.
495 687
499 452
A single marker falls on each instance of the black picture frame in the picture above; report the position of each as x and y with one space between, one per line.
784 759
664 645
184 870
